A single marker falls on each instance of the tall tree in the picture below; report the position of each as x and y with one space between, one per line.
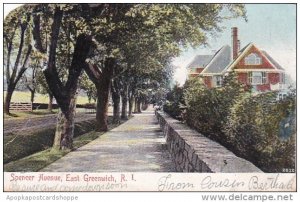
65 92
102 80
124 79
157 27
106 27
152 31
30 79
116 98
16 38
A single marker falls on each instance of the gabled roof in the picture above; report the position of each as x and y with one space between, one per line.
244 51
200 61
219 62
275 64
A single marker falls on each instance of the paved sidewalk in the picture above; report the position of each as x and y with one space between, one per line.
135 146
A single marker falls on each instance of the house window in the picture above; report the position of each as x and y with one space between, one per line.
253 59
218 81
256 78
282 96
264 77
282 78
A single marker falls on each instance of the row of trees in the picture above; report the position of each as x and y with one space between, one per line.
122 48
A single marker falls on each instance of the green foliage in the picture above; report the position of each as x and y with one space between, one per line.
254 126
142 37
248 125
174 102
42 86
207 109
17 43
89 88
145 37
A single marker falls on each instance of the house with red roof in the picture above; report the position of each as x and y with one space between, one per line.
253 66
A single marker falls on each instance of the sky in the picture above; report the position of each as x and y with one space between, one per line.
271 27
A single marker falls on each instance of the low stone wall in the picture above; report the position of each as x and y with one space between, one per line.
193 152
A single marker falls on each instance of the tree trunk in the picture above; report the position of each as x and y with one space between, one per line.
124 108
139 106
130 103
50 104
59 128
13 78
65 127
124 103
144 105
103 88
69 123
116 109
65 93
102 80
32 93
116 104
8 97
135 110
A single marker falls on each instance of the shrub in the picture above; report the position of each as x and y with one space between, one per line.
174 102
253 128
258 128
207 109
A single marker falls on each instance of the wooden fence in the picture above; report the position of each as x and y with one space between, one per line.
21 106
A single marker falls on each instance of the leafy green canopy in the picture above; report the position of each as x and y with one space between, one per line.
143 37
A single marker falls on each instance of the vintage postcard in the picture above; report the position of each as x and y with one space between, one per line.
160 97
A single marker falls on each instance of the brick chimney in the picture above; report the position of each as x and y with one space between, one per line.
235 42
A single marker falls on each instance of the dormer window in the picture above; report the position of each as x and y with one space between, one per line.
253 59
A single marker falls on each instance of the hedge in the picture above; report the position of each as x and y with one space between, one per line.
259 128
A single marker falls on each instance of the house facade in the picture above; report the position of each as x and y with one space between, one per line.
253 67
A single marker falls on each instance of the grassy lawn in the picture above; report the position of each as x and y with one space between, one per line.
19 96
39 160
28 114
